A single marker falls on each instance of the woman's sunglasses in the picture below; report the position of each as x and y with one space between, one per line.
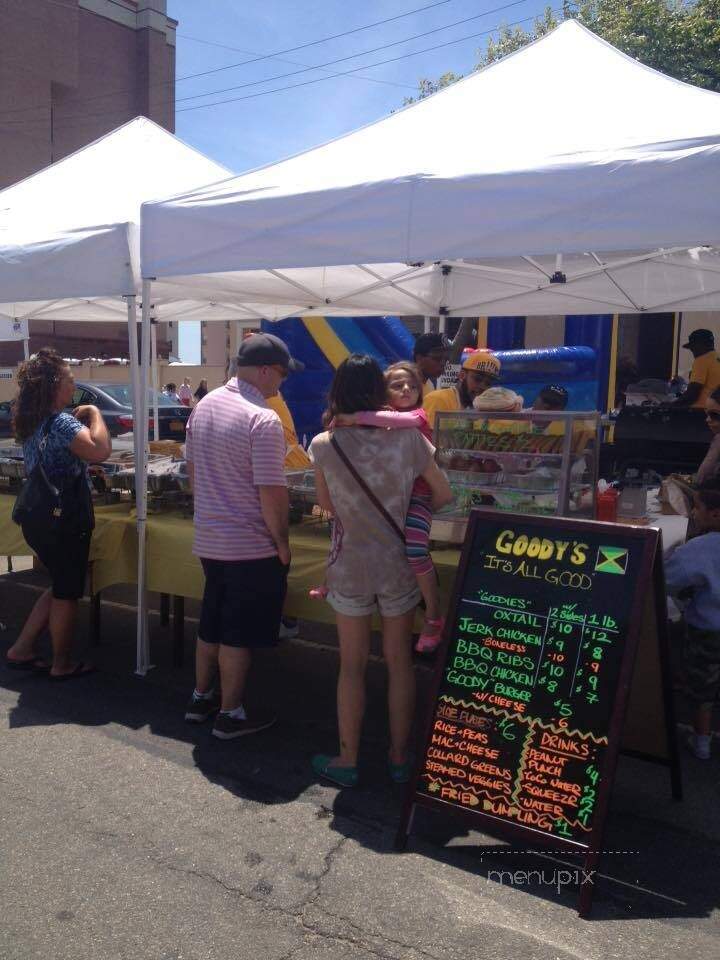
712 414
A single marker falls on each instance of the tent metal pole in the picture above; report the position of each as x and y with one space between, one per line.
475 309
482 332
393 282
155 385
677 324
134 368
137 420
612 378
134 376
442 312
141 467
316 298
26 348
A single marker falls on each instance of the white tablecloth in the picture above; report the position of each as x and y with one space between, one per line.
673 527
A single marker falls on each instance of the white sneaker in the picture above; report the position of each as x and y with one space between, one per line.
699 750
289 630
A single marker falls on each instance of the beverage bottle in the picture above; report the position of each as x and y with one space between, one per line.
607 502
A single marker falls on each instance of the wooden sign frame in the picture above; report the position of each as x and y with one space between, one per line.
650 576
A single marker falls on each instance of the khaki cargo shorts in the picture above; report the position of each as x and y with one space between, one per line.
362 605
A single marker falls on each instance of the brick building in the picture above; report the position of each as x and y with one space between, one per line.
71 71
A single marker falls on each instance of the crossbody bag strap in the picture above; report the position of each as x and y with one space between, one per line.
44 435
370 495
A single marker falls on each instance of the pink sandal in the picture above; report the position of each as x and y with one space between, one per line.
431 636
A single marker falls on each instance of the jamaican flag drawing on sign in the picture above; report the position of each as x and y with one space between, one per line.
611 560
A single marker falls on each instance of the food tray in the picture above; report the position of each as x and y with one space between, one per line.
301 487
165 475
11 449
530 443
533 481
183 482
302 497
122 480
300 478
13 469
163 482
468 478
448 529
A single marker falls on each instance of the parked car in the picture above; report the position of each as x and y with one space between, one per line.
113 400
6 418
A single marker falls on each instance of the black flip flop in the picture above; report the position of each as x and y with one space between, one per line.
82 669
35 664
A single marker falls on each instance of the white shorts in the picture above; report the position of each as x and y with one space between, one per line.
362 605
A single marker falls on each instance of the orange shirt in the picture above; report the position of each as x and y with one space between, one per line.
295 457
706 372
436 401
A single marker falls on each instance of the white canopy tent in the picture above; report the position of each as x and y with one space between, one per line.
13 330
69 250
566 178
69 234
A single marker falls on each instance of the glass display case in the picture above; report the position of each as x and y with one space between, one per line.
529 462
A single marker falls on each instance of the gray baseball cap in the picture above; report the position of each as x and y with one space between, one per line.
264 350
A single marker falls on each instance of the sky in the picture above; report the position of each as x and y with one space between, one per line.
262 129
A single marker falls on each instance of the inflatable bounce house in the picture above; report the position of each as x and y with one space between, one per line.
322 343
574 368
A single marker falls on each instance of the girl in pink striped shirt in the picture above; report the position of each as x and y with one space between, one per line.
404 388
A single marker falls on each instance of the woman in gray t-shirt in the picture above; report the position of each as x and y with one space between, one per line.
367 566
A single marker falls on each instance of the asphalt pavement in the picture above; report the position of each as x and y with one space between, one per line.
126 833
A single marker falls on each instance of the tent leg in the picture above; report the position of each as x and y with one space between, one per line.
141 466
155 385
138 418
134 369
26 348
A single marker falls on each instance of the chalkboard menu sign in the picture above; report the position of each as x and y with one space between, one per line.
533 679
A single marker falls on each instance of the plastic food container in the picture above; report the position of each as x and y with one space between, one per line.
14 469
537 480
632 503
472 478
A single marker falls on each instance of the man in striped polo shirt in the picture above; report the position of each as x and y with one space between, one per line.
235 450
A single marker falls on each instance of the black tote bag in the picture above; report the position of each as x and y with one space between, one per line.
39 503
46 508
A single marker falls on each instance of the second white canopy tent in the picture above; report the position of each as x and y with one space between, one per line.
566 178
69 250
